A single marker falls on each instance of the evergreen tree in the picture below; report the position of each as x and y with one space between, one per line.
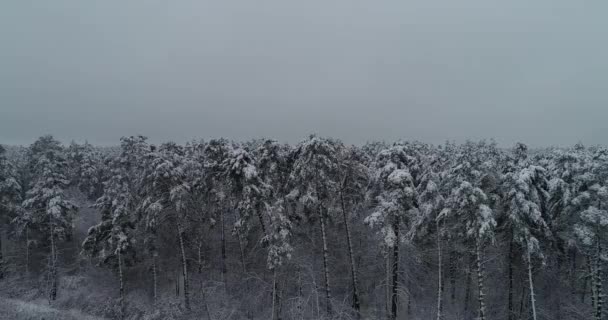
47 208
10 199
396 197
112 240
525 202
313 181
467 208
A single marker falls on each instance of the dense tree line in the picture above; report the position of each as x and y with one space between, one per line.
323 230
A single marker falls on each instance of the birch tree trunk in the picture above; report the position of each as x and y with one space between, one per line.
200 256
590 275
573 273
242 251
184 267
223 248
325 262
388 284
1 258
510 262
467 291
53 271
154 279
27 251
452 276
276 297
261 219
353 271
394 298
480 276
598 281
121 287
531 283
439 274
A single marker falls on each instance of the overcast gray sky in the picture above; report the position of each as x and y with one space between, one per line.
535 71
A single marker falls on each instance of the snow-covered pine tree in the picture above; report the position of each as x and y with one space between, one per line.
47 208
90 172
314 182
215 152
112 240
467 211
525 201
396 196
273 166
246 187
563 167
273 170
354 178
172 181
277 239
74 157
10 199
427 220
591 227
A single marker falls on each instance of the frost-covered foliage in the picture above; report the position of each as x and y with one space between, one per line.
279 234
320 230
313 177
87 169
114 235
47 208
525 199
468 204
10 189
397 195
246 186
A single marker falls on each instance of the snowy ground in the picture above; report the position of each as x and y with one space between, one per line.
11 309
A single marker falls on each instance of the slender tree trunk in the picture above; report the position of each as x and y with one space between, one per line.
584 291
409 303
467 291
522 302
53 271
223 244
510 262
452 276
353 271
200 256
154 279
480 276
317 304
558 298
394 298
590 275
184 266
261 219
242 251
598 281
121 288
531 283
299 307
573 274
27 251
274 294
325 263
1 258
388 284
177 283
276 297
439 274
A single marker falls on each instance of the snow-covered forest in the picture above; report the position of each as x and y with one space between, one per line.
221 229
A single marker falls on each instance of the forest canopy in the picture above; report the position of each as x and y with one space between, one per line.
259 229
